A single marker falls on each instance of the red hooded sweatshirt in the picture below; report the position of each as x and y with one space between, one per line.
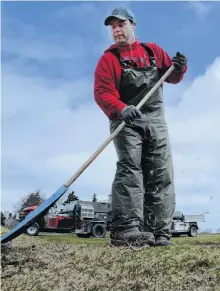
108 74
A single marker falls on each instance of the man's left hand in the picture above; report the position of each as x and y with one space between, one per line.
179 61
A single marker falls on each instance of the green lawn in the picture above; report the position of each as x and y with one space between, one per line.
65 262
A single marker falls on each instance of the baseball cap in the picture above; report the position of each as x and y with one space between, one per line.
121 13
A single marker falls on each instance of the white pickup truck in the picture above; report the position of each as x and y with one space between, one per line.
185 224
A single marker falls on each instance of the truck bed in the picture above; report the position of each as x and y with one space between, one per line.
194 218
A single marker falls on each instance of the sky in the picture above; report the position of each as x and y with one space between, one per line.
51 124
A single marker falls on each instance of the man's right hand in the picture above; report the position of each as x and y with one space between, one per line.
129 113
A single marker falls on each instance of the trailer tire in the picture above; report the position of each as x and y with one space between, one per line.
99 230
33 229
193 231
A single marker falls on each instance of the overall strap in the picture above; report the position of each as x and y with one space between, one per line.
125 63
152 59
150 53
115 51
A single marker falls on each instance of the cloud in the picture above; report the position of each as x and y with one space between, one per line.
193 126
200 22
37 50
74 10
30 43
57 50
33 52
200 9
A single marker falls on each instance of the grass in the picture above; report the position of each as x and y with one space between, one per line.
65 262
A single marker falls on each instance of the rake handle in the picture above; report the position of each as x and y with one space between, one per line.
117 130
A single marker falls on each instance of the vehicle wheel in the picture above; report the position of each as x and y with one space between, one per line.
99 230
193 231
33 229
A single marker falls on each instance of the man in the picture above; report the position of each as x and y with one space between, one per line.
77 214
143 197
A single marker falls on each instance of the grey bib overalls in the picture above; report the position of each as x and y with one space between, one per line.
143 189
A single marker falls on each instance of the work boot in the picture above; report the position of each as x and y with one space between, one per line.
162 241
132 237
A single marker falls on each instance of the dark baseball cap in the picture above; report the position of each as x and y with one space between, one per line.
120 13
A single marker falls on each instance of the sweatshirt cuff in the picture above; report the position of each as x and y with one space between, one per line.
181 72
120 107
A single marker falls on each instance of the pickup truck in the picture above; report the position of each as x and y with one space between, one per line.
185 224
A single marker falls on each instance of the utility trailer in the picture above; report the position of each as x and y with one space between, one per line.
185 224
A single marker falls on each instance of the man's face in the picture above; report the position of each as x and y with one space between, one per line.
122 31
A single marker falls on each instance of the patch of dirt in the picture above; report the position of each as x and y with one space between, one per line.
19 259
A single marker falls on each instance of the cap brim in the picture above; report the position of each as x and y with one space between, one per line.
109 18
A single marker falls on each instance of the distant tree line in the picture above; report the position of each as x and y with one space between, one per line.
71 197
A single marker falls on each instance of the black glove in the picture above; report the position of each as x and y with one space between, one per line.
129 113
179 61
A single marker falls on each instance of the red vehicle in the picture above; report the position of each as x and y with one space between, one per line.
91 223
